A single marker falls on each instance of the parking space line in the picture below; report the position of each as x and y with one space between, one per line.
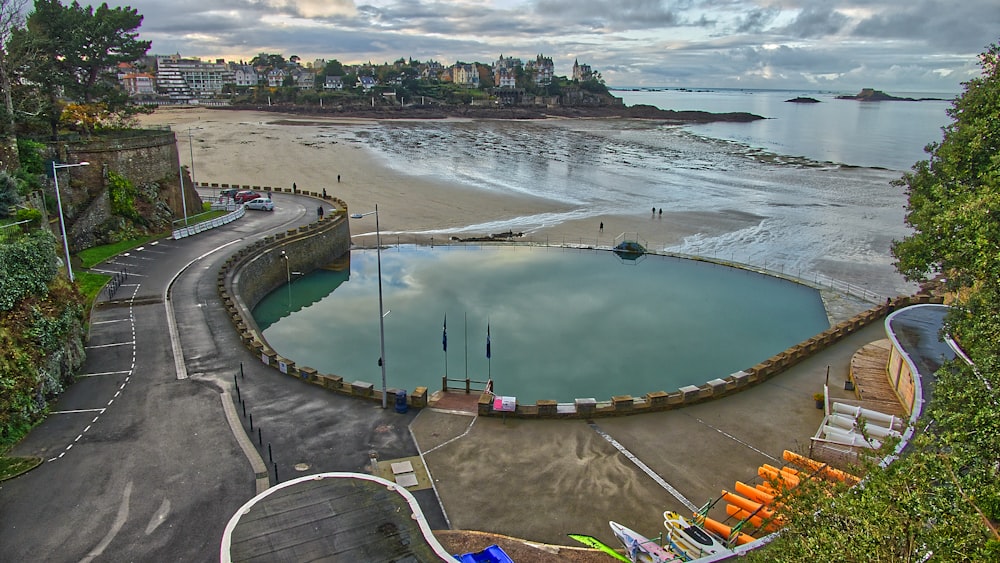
132 342
111 321
101 411
100 373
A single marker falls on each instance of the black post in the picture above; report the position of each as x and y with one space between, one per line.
260 439
238 398
276 474
251 422
269 456
241 370
244 410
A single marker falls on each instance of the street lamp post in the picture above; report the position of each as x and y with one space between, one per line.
191 150
288 280
180 177
381 313
62 221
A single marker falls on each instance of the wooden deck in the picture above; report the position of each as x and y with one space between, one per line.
457 401
871 380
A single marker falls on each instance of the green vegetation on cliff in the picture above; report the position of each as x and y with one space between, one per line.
41 332
940 501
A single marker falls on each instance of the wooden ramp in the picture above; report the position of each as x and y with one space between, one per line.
456 401
871 379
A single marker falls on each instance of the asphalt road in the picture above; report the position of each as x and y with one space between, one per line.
141 465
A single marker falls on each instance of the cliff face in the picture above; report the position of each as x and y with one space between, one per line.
148 160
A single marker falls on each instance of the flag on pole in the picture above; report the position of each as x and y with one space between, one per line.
444 334
487 340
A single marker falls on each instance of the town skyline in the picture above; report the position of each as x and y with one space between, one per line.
892 45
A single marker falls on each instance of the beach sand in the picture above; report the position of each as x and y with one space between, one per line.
274 149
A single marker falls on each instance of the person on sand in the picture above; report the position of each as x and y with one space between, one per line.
319 211
338 178
661 212
602 226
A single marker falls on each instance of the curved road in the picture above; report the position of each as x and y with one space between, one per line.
141 465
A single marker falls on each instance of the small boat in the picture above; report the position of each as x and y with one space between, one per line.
492 554
640 548
694 541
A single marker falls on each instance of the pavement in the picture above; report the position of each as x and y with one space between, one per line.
142 465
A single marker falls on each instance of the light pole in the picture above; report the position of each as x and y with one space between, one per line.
288 280
62 222
180 177
381 313
191 149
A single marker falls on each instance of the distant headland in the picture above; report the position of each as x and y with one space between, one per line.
442 111
873 95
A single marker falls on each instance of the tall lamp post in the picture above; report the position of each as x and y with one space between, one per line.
62 222
381 313
191 150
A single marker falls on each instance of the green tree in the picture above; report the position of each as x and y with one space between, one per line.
941 499
77 52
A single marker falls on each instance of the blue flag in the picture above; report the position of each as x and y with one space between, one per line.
444 334
487 340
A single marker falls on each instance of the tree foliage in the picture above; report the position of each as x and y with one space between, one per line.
76 51
940 501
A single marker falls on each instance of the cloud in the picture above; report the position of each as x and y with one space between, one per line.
691 43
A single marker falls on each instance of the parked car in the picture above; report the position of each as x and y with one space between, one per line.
261 204
228 192
244 196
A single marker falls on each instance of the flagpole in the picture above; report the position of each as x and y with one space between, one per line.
467 345
444 344
489 355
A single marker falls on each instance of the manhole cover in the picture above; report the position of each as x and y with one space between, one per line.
302 467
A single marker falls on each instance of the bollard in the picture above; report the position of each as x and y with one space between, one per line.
241 371
238 398
251 422
276 474
269 456
260 438
244 410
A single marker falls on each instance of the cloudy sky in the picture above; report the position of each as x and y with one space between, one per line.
842 45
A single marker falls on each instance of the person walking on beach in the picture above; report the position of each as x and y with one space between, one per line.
338 178
602 227
294 188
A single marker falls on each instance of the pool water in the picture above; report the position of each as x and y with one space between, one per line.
563 323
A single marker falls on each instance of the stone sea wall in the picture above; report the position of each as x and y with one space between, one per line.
254 271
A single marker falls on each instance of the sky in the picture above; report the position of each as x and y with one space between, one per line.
898 46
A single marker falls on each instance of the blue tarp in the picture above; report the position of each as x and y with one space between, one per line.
492 554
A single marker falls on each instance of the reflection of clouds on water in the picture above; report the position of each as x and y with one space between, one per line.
563 322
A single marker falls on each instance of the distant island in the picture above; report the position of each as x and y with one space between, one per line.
442 111
873 95
803 100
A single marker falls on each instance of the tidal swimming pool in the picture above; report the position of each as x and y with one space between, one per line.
563 323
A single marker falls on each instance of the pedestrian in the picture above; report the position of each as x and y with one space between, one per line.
654 211
661 212
602 226
268 194
324 193
319 211
294 189
338 178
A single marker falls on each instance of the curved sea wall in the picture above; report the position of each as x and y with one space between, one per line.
256 270
714 389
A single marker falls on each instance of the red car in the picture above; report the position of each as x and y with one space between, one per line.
245 196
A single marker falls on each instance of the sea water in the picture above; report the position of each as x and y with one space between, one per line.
818 178
563 323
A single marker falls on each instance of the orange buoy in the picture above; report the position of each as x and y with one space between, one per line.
818 466
754 494
747 504
726 531
757 521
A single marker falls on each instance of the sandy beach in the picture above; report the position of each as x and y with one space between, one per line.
273 149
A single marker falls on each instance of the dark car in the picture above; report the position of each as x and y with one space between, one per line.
244 196
228 193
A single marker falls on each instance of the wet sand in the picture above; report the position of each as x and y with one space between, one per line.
272 149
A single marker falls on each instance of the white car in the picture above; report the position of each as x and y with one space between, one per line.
261 204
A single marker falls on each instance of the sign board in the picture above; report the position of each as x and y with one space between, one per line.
504 404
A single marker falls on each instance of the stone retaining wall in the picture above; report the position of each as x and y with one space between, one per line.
256 270
714 389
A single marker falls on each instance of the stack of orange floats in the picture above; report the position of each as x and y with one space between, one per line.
756 504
